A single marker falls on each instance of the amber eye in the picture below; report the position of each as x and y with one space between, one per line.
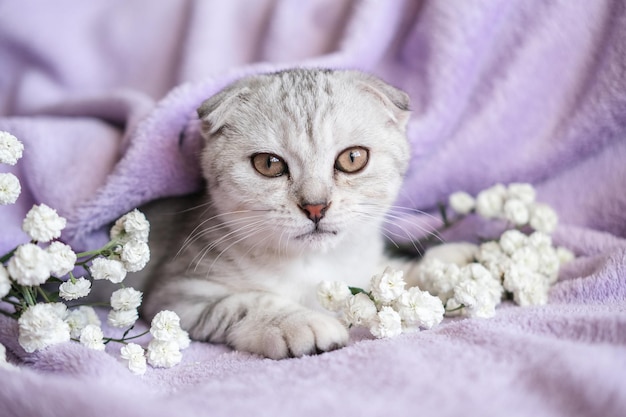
352 160
269 165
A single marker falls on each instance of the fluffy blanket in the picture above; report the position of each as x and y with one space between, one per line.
102 93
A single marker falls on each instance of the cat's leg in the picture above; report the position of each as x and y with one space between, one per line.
258 322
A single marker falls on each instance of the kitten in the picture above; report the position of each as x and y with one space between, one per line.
301 167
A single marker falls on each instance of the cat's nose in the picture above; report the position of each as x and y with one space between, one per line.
315 212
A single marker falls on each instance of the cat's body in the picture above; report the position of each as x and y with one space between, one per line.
301 167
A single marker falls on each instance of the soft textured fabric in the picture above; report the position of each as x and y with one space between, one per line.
103 94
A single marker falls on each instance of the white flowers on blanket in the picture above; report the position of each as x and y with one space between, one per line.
31 272
521 266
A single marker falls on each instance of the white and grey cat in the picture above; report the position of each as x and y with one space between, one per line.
301 167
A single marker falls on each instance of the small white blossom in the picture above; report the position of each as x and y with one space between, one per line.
10 188
135 355
493 258
388 286
164 326
332 295
126 299
489 202
5 282
540 240
29 265
528 287
543 218
109 269
182 339
74 290
444 277
516 211
360 310
62 258
131 226
42 325
10 148
478 291
565 255
521 191
135 255
80 317
387 323
549 263
512 240
462 202
163 354
91 337
43 224
528 257
419 308
122 318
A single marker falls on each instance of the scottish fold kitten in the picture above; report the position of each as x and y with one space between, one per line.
301 167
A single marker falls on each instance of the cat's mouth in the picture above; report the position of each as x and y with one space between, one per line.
316 233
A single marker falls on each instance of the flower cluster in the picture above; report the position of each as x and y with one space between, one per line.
520 266
30 274
387 309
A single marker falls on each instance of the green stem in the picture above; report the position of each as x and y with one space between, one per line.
28 296
7 256
43 294
124 339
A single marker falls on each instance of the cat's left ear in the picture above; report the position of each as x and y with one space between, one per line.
395 100
214 111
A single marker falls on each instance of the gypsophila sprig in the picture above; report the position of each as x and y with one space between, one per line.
520 265
36 275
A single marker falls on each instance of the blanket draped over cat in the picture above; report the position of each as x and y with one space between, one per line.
104 96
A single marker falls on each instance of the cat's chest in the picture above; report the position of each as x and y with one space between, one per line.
297 278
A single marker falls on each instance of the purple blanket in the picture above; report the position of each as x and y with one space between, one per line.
103 94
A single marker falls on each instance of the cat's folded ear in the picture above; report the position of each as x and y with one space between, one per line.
395 100
214 111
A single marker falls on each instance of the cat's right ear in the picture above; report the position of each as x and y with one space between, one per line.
215 110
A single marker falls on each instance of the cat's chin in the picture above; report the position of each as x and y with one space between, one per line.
317 240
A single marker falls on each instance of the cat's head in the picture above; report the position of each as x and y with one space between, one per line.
301 159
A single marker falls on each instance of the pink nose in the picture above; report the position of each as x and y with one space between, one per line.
315 212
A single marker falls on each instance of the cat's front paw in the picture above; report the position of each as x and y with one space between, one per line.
289 334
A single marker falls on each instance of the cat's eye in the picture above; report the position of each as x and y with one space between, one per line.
352 160
269 165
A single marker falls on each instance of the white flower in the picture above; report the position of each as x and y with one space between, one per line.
182 339
543 218
540 240
516 211
165 325
565 255
62 258
131 226
74 290
387 323
388 286
512 240
136 358
5 282
528 257
80 317
332 295
91 336
438 278
163 354
493 258
478 291
10 148
43 224
109 269
122 318
29 265
135 255
419 308
360 310
126 299
521 191
462 202
528 287
10 188
42 325
489 202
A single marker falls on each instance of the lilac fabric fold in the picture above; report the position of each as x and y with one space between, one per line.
103 96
